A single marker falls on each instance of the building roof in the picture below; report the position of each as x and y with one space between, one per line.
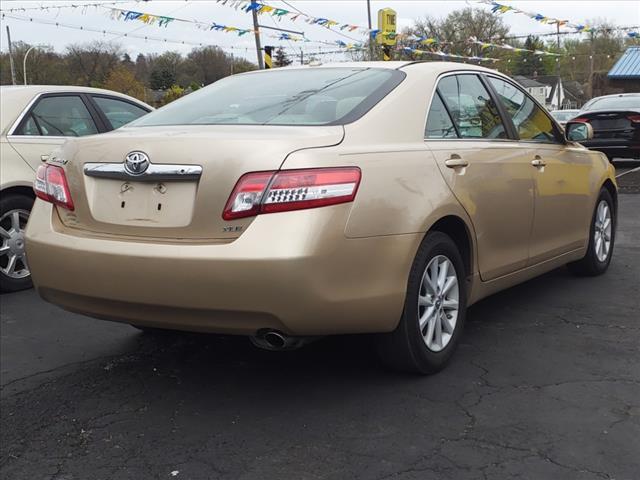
628 66
527 82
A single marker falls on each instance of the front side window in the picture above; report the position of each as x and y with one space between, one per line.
314 96
59 116
119 112
471 107
531 122
439 124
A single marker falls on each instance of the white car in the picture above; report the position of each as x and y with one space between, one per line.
34 121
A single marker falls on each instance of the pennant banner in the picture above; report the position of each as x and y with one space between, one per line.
440 53
538 17
485 45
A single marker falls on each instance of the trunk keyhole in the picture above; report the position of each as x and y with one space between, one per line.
122 205
159 206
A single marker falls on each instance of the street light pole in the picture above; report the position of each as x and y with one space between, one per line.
24 64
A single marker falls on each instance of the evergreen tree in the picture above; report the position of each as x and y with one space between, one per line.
281 59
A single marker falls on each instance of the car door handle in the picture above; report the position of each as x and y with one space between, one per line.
455 162
538 162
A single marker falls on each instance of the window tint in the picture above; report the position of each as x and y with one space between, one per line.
119 112
30 127
531 122
471 107
439 124
64 116
314 96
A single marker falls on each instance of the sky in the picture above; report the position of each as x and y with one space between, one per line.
617 12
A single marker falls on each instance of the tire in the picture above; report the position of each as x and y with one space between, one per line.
17 277
406 348
594 262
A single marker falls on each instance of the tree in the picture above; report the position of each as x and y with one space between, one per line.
456 29
173 93
209 64
142 69
122 80
528 63
91 63
161 78
281 59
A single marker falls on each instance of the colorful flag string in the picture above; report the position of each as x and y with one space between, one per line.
164 21
486 45
538 17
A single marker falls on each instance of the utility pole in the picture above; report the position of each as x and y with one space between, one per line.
257 34
370 39
301 57
591 64
13 68
558 68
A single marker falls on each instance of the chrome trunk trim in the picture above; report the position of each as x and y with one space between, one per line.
155 172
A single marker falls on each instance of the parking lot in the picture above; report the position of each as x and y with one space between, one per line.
545 384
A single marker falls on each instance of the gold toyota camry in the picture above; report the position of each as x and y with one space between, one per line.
296 203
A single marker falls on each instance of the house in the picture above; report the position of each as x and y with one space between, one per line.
536 89
624 76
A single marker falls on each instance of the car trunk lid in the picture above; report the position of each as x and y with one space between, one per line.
188 205
611 123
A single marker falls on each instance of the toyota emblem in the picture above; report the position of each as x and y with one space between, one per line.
136 163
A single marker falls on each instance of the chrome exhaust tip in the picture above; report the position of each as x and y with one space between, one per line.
274 340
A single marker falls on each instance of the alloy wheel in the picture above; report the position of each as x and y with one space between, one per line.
438 300
602 231
13 258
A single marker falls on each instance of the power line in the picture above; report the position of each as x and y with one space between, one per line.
66 5
117 33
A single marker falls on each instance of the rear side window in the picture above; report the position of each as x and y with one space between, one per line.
313 96
119 112
474 113
439 124
59 116
531 122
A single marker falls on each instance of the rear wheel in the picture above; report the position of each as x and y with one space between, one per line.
14 269
601 239
434 310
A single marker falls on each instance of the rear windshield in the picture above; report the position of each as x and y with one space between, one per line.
565 116
314 96
614 103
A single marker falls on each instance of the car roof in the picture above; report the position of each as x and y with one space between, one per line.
424 65
15 98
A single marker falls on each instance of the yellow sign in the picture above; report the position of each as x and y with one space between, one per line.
386 27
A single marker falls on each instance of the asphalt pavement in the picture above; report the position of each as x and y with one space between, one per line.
545 385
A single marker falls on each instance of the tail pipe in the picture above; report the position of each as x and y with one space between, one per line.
274 340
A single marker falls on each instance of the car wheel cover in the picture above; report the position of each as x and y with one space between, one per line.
13 258
602 231
438 300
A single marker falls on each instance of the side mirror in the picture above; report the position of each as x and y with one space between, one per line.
578 131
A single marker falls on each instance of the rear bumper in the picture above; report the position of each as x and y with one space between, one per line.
295 272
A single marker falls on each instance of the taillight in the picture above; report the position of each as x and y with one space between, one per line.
270 192
580 119
634 118
51 185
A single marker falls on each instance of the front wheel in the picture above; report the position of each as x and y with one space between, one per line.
434 310
602 234
14 269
